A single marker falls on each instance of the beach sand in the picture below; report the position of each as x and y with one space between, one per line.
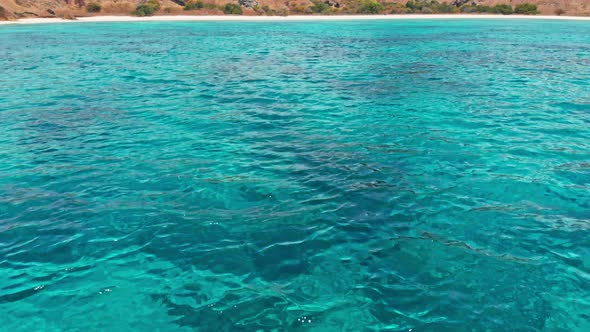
288 18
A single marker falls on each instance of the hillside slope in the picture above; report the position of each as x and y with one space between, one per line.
12 9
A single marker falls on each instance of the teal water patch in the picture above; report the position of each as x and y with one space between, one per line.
337 176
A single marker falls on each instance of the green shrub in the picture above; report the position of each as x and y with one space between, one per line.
526 9
484 9
428 7
2 12
299 9
469 9
179 2
497 9
143 10
232 9
426 10
268 11
154 4
319 7
370 7
396 9
93 7
210 6
412 5
444 8
147 9
503 9
192 5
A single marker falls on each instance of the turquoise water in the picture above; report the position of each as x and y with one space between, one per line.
336 176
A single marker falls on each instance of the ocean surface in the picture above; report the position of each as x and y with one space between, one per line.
429 175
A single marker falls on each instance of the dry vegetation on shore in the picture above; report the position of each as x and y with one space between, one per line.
70 9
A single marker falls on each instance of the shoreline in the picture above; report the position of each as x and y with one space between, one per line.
204 18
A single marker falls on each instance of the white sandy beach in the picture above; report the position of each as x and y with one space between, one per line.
290 18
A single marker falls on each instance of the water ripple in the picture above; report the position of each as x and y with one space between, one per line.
415 175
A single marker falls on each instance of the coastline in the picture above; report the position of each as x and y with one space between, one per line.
188 18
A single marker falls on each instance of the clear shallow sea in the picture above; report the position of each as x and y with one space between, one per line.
337 176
